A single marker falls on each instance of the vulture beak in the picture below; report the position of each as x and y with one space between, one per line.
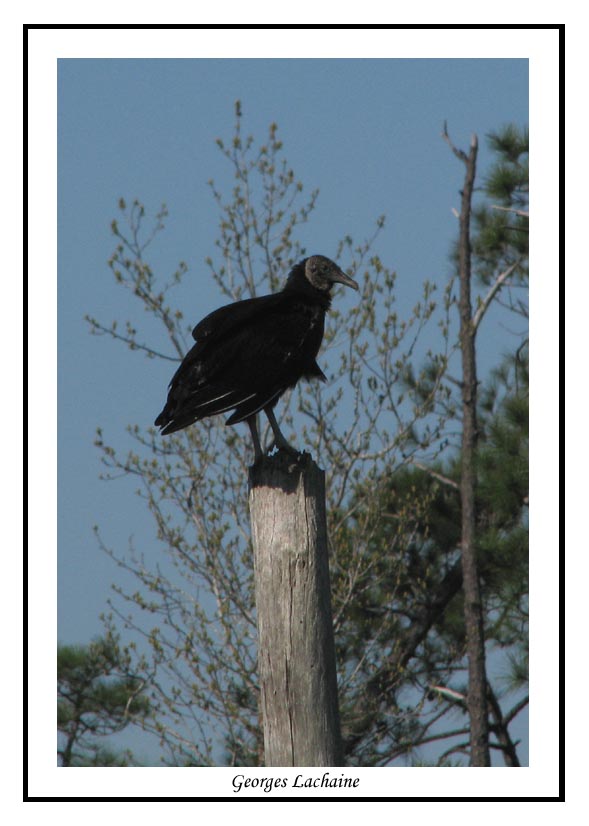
340 277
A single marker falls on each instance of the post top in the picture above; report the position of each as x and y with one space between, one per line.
282 469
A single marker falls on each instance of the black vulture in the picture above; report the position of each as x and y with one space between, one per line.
247 354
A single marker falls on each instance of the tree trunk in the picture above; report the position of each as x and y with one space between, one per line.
296 653
473 609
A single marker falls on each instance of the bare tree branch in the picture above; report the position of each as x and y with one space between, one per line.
521 212
435 475
499 282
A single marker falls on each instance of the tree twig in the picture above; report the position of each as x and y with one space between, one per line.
499 282
521 212
439 476
450 694
458 152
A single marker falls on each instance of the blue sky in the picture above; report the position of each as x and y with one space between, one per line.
365 132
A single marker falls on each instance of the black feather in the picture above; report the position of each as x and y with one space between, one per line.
247 354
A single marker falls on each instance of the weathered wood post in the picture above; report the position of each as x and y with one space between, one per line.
296 653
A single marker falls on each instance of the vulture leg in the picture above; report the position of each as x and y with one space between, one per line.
258 452
279 439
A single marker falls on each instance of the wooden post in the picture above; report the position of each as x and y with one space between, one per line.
296 653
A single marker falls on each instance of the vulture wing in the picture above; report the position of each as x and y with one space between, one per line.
246 355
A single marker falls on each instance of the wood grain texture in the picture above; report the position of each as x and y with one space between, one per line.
296 659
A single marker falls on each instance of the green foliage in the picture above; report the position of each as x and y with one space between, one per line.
501 224
508 181
96 697
408 589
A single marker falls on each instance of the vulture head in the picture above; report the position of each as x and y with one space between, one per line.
322 274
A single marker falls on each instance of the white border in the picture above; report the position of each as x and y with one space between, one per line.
47 45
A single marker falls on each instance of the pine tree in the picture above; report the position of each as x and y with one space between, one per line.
96 697
408 608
